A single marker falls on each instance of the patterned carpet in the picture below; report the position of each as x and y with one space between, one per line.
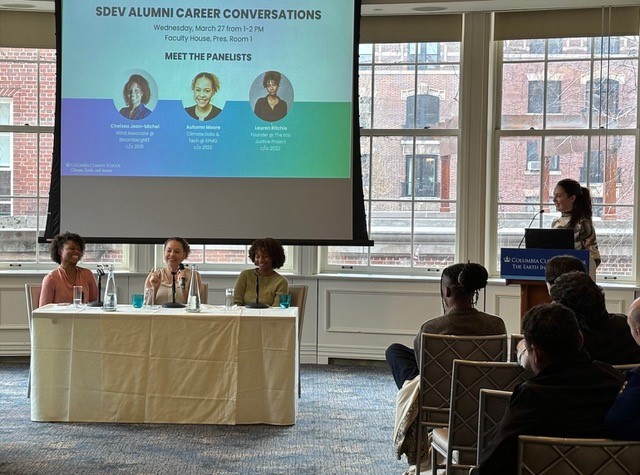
345 424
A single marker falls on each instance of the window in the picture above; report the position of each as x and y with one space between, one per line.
575 143
409 172
536 97
425 111
534 162
421 176
605 98
424 53
604 45
28 100
537 46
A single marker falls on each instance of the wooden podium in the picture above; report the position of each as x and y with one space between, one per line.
525 267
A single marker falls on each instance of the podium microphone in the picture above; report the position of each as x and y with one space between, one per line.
257 303
530 223
183 280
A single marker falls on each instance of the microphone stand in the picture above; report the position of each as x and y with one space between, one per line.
98 303
173 303
530 223
257 303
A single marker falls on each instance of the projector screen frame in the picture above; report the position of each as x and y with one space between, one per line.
358 218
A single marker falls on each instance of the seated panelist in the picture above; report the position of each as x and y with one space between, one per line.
267 254
176 250
57 287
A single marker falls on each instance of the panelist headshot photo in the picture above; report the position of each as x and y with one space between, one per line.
136 94
273 107
204 86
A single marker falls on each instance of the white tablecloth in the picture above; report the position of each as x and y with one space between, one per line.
164 365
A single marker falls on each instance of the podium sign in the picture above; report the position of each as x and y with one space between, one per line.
529 264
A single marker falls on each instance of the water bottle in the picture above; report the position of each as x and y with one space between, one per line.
110 301
193 301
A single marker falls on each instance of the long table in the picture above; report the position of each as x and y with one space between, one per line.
163 365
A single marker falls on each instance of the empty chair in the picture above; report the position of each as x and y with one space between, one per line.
437 353
299 300
492 405
555 455
457 443
32 296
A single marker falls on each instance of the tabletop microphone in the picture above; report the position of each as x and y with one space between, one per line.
257 303
183 280
530 223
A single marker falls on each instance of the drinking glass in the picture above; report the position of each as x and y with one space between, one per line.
228 298
137 300
149 297
285 300
77 296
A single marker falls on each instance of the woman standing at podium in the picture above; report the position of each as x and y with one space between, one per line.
574 202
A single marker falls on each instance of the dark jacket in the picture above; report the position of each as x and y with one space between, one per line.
610 340
567 399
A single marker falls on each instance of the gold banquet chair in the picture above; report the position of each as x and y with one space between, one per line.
560 456
299 300
32 294
492 407
437 353
457 443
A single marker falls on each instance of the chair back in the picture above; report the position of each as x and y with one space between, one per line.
513 346
299 299
577 456
467 380
32 294
493 404
436 362
623 368
204 292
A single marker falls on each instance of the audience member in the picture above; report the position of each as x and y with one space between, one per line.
176 250
459 287
267 254
568 396
556 266
623 420
67 250
606 335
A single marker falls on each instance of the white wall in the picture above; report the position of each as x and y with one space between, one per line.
345 317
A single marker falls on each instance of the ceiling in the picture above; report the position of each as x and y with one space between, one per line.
400 7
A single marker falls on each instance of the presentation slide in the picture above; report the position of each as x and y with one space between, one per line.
202 89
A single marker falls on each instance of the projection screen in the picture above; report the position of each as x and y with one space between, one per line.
217 121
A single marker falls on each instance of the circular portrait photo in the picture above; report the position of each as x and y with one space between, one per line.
271 96
204 88
139 95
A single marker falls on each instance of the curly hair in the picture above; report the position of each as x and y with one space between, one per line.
59 240
272 247
581 294
465 279
142 83
271 76
554 328
582 204
183 242
558 265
